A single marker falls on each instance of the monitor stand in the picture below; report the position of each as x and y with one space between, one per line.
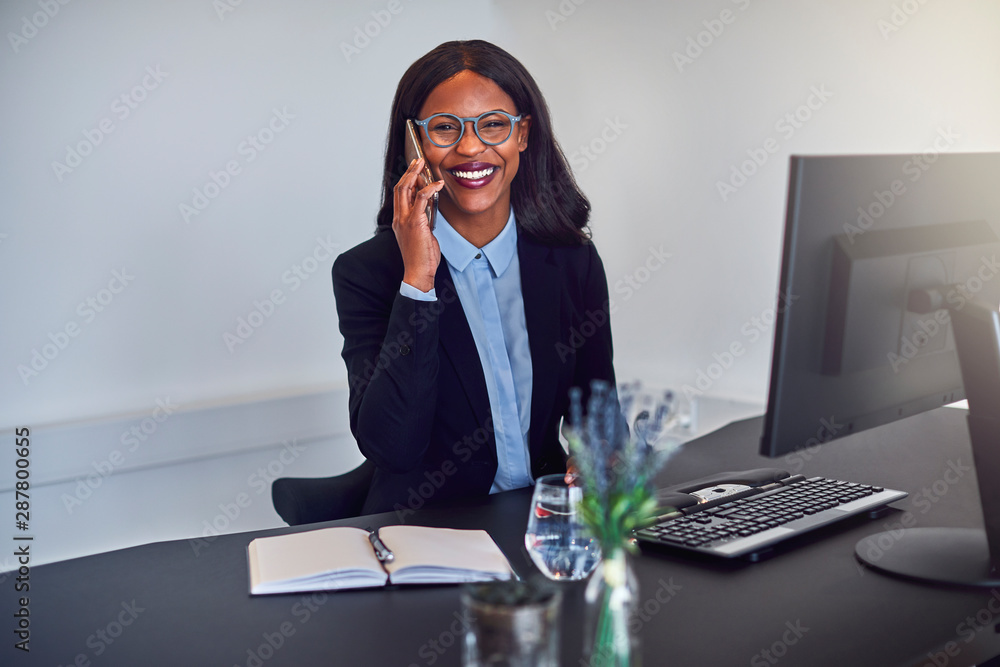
959 556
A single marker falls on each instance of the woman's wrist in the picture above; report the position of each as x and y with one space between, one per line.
423 283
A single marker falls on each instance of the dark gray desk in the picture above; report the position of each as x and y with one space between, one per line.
163 604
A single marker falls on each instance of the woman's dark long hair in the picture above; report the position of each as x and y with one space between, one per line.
547 202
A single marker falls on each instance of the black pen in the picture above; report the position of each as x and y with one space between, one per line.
382 552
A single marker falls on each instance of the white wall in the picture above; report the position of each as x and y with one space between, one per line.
690 124
663 137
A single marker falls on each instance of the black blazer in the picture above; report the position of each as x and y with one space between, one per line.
419 406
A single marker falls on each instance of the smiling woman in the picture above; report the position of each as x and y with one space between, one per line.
457 384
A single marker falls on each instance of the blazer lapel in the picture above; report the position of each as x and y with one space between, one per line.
540 291
456 341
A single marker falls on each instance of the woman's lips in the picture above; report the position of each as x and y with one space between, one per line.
474 174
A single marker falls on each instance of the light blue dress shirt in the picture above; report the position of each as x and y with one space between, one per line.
488 282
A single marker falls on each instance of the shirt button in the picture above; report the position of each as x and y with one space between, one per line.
479 255
404 350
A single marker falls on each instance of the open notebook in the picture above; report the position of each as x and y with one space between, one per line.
343 557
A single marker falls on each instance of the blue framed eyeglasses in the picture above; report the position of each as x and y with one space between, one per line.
446 129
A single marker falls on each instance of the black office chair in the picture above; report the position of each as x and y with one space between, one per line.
300 500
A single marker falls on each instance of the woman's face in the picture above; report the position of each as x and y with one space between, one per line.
468 192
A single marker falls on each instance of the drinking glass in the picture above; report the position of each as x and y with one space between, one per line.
510 631
557 541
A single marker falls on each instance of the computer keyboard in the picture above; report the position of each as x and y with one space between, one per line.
747 516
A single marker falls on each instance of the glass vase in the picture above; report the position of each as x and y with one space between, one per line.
612 597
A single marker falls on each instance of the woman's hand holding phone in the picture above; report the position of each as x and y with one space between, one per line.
420 250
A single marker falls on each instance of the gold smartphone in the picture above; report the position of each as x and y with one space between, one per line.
412 151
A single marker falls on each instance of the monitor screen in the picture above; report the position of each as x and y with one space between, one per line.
877 249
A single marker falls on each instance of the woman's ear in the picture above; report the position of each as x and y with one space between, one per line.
523 128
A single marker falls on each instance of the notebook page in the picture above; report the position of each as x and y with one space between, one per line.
438 550
304 561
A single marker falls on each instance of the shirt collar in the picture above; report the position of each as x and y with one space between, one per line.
459 252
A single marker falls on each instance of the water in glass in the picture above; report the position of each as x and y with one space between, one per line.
558 543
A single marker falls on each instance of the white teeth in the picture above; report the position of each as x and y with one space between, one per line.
474 175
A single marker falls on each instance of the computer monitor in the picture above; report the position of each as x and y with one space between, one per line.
888 306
